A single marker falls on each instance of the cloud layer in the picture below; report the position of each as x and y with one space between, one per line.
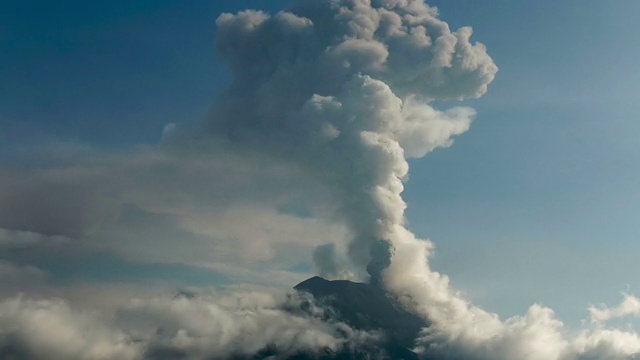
189 325
152 205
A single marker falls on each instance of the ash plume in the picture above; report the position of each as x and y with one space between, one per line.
343 89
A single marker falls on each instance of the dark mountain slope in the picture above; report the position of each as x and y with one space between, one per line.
365 307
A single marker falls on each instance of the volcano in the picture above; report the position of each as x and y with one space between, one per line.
365 307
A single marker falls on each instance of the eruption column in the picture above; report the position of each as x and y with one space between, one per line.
342 88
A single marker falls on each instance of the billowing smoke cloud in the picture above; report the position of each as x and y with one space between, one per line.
343 88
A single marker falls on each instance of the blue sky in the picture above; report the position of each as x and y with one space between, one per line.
545 182
537 202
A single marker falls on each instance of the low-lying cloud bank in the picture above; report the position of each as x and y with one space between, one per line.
536 335
189 325
241 323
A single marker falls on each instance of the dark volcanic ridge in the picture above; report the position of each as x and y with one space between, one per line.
362 306
367 307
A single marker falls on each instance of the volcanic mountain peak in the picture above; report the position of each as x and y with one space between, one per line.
366 307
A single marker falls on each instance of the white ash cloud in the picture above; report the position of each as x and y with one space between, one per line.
343 89
201 325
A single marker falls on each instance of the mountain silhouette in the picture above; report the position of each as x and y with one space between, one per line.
362 306
365 307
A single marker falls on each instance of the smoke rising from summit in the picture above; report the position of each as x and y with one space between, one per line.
343 89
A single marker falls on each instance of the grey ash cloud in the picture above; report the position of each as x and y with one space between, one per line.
343 90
